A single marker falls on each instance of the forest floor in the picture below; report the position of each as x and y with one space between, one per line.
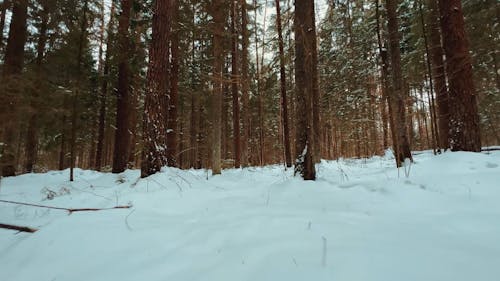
437 220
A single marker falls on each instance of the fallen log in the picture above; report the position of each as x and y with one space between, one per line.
18 228
70 210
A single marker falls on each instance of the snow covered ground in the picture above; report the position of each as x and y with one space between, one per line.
361 220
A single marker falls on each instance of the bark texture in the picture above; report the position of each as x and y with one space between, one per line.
464 132
173 101
104 92
32 134
398 92
438 75
245 41
217 92
154 125
304 67
122 134
12 69
284 98
234 85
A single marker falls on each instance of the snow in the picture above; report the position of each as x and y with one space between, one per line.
361 220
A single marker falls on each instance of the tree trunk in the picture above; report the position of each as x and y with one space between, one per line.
12 69
122 134
304 31
74 114
439 76
464 130
245 84
234 85
435 133
154 135
218 64
62 147
32 134
104 92
403 151
384 76
284 99
315 86
173 101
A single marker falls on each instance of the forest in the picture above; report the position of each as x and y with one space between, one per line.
111 85
249 140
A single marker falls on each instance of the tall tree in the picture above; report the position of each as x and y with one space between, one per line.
464 131
82 42
245 41
439 75
32 134
403 146
12 69
154 127
122 134
104 90
284 99
173 98
384 76
304 68
217 92
234 84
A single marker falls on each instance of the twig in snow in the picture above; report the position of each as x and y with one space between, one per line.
126 220
323 259
70 210
18 228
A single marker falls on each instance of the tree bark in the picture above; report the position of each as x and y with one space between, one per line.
12 69
74 114
315 86
173 101
403 151
304 30
122 134
284 98
245 84
154 135
217 92
235 80
464 130
438 75
435 133
32 134
104 92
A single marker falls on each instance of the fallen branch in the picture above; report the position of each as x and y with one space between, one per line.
70 210
18 228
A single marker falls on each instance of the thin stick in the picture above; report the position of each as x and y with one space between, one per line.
18 228
70 210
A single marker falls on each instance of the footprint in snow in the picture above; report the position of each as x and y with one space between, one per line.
491 165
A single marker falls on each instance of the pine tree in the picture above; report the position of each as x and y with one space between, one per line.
403 146
122 134
284 99
304 31
173 99
438 74
12 70
234 85
154 127
217 92
464 118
